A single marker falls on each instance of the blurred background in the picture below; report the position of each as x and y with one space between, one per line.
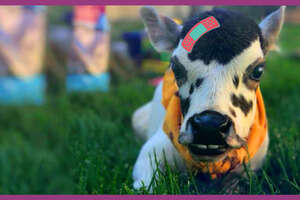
71 77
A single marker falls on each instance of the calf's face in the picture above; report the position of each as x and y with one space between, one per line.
218 79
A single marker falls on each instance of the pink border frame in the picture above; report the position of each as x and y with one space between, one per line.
149 2
148 197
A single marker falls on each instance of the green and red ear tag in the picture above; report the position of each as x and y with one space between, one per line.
198 30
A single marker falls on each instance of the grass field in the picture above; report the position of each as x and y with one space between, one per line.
84 144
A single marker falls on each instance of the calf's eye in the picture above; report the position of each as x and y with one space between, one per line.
257 72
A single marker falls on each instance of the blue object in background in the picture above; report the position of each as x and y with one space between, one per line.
134 41
102 24
87 82
16 91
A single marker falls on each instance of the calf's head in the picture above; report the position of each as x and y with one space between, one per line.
218 79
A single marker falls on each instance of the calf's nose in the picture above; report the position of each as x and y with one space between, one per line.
209 126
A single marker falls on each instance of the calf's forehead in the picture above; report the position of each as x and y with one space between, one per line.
235 34
236 66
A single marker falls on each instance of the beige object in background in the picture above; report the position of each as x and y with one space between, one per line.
22 41
93 58
133 12
91 41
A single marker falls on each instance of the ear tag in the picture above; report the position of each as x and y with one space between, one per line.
198 30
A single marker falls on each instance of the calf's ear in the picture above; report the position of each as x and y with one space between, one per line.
163 32
270 27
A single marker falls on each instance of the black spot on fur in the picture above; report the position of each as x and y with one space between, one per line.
232 112
236 32
236 81
191 89
242 103
179 71
177 93
198 82
184 104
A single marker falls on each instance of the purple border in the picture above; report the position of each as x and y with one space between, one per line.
149 2
148 197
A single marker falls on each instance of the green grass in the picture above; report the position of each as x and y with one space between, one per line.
84 144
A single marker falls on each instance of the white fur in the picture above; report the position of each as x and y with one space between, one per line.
147 119
140 120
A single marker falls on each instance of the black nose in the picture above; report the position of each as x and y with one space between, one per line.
209 126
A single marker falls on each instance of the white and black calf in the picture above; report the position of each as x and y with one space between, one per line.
217 82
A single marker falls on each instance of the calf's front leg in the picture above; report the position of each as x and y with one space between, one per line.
153 154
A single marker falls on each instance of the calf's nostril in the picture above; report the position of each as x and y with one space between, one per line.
226 126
